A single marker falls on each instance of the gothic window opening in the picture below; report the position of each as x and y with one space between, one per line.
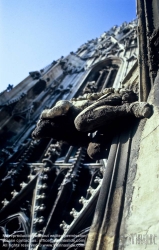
102 75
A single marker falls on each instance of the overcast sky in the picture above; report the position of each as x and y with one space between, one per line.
36 32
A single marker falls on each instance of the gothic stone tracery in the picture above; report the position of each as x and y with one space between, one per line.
49 186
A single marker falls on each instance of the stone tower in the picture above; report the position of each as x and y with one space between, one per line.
53 195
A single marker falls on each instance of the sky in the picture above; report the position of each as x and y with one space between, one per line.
36 32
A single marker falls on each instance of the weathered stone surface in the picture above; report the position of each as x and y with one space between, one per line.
140 213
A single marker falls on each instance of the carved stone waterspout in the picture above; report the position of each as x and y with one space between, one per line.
71 121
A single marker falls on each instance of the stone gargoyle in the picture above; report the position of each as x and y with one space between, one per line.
75 120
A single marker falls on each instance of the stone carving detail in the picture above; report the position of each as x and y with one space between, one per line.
39 220
8 232
9 88
71 121
35 75
90 190
90 87
54 149
5 202
5 154
23 184
154 52
111 43
14 193
83 200
64 225
74 213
